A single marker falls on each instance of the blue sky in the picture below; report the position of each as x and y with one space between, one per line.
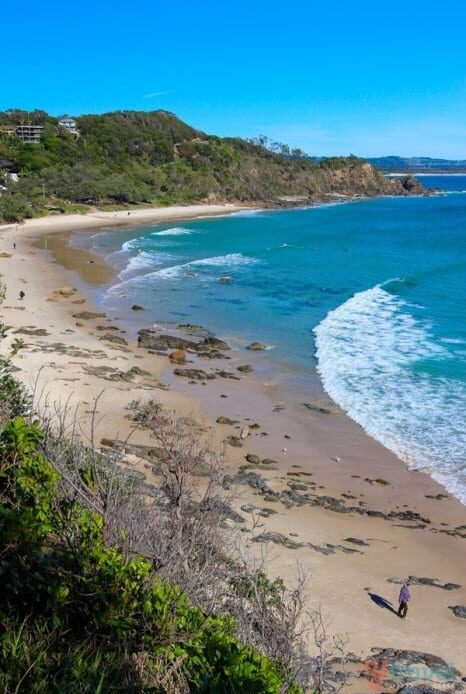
370 78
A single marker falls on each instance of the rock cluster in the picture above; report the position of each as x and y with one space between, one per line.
209 347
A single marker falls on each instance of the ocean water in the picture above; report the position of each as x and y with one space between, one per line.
369 295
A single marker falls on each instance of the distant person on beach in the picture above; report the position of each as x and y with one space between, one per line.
22 294
14 246
403 599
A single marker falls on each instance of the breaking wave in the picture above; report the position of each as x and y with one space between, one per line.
176 231
373 358
144 260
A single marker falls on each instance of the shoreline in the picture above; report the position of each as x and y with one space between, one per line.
340 576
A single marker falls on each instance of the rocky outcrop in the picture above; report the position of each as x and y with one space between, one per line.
210 346
149 339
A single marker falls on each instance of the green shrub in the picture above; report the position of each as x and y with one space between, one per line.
13 208
74 609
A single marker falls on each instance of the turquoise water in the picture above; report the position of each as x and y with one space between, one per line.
371 295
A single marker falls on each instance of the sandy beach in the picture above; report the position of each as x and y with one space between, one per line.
329 481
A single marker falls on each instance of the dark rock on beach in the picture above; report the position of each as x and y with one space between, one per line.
193 374
114 338
210 346
108 373
194 329
227 374
37 332
422 581
317 408
88 315
215 343
356 541
234 441
278 539
137 307
245 369
226 420
458 610
150 340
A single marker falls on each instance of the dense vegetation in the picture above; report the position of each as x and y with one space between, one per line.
130 157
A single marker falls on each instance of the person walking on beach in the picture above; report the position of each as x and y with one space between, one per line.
22 294
403 599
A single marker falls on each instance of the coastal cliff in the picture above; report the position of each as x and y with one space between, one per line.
132 157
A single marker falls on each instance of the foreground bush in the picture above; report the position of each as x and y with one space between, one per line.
76 616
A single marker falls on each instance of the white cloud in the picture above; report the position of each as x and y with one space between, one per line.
153 95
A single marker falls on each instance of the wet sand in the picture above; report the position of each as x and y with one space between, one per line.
328 457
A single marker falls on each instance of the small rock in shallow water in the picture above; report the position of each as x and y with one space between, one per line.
245 369
256 346
137 307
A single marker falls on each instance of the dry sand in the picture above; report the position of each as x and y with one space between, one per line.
61 364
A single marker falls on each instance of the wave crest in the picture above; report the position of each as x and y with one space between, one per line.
175 231
367 352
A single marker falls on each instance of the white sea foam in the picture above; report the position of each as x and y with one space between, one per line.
453 340
176 231
175 272
144 260
230 260
366 349
248 213
130 245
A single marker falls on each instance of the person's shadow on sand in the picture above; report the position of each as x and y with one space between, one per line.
382 602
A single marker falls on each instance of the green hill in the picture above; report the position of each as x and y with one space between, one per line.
136 157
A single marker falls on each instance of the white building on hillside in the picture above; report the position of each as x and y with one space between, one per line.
70 125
